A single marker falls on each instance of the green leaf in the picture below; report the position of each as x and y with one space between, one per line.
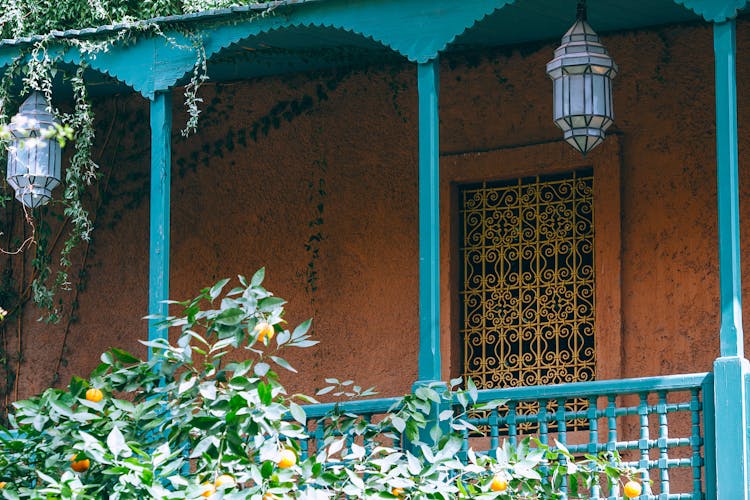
116 443
283 337
261 369
435 433
302 329
239 383
106 358
61 408
124 356
270 303
203 446
399 423
186 385
264 393
472 388
266 469
283 363
427 394
204 422
413 464
445 415
230 317
562 448
298 413
258 277
39 422
208 389
216 289
121 404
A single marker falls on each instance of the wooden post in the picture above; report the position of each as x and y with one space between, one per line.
731 368
429 222
161 152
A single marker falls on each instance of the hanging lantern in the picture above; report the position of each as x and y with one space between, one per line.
34 162
582 74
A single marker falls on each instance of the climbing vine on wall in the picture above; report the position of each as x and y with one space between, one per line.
45 249
316 198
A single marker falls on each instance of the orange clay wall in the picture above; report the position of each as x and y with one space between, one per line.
246 190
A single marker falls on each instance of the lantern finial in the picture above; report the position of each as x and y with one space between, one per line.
581 10
582 74
34 161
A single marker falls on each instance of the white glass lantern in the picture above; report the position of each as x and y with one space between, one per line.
582 74
34 162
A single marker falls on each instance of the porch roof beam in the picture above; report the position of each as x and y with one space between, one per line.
416 29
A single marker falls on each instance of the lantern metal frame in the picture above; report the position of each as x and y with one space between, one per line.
34 158
582 73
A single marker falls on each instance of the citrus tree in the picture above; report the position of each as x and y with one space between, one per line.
190 423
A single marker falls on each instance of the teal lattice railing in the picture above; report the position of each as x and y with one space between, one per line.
660 424
663 425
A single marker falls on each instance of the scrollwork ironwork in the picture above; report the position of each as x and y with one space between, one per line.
527 288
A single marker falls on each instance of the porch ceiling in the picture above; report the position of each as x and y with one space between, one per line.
309 35
294 50
540 20
305 48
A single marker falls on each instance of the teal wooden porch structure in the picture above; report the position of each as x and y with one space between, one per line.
714 405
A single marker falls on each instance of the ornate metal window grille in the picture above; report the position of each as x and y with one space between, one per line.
527 287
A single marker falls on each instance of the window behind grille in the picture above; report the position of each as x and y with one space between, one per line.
527 282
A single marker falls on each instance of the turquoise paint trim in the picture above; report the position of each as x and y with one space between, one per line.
428 85
731 433
731 369
747 423
617 387
361 407
416 29
8 55
158 289
714 10
709 436
732 342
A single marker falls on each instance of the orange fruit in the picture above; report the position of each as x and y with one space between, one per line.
79 465
2 484
397 492
208 490
265 331
499 483
225 480
632 489
94 395
287 458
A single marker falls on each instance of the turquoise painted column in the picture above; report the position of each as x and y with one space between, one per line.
161 152
428 79
730 369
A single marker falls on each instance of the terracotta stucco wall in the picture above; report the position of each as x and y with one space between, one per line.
246 188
